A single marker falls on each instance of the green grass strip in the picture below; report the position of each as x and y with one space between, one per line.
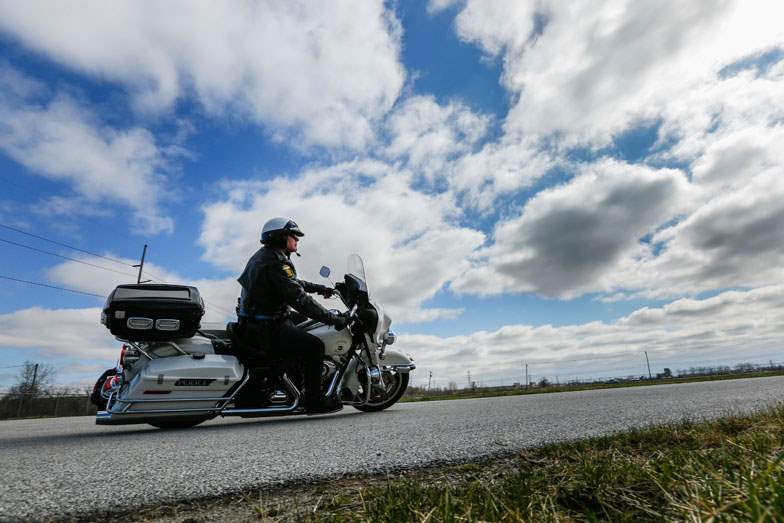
725 470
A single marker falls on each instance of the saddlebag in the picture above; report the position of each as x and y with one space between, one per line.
195 381
150 312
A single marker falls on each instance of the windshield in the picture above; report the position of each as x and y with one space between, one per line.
356 267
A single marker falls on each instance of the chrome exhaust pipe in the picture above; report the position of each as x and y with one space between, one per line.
280 409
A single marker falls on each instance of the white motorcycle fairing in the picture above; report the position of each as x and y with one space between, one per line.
397 361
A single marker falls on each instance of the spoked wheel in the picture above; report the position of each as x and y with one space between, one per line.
396 385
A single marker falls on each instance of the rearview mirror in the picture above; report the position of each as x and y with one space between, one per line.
325 272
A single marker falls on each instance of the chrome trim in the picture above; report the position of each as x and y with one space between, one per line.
279 396
175 346
168 400
137 347
245 380
401 367
140 324
369 385
168 411
333 383
167 324
389 338
276 410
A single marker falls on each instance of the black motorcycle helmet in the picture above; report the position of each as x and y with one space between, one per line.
276 230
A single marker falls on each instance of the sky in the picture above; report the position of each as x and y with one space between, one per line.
562 184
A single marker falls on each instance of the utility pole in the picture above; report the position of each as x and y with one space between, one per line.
35 376
526 376
141 266
429 379
469 378
28 392
649 365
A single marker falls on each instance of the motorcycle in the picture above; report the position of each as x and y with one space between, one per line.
179 383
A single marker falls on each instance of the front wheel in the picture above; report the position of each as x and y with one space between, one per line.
397 383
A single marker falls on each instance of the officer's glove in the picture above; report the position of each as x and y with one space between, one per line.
327 292
337 320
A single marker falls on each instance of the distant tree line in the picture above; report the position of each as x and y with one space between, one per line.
739 368
34 395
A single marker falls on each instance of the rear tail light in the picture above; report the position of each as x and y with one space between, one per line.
128 356
111 384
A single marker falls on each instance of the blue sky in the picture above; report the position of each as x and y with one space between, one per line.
568 185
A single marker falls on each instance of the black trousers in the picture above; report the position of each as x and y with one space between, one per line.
296 345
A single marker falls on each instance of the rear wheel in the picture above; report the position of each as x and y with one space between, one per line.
396 384
172 424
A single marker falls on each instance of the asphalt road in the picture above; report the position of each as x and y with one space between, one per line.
62 466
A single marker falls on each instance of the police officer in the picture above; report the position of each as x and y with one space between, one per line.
269 288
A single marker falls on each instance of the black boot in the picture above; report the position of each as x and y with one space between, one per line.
324 406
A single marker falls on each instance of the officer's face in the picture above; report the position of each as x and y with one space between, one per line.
291 243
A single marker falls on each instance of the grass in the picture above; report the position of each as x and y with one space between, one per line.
725 470
486 392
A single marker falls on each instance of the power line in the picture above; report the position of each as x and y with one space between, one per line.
20 231
50 286
155 278
64 257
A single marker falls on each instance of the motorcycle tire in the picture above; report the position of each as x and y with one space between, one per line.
177 423
376 407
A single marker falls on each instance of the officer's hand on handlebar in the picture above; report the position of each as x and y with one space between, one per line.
339 321
325 291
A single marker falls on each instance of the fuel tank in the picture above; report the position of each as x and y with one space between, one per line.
336 343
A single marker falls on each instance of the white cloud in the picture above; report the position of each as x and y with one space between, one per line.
54 333
707 74
497 170
588 71
410 241
728 328
324 71
428 135
63 140
435 6
568 238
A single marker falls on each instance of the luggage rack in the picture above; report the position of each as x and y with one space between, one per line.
136 346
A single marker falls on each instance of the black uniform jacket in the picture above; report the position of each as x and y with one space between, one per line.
270 285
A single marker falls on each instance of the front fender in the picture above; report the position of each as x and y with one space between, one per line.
396 361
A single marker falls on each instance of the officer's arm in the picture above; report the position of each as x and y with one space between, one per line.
315 288
311 287
295 295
